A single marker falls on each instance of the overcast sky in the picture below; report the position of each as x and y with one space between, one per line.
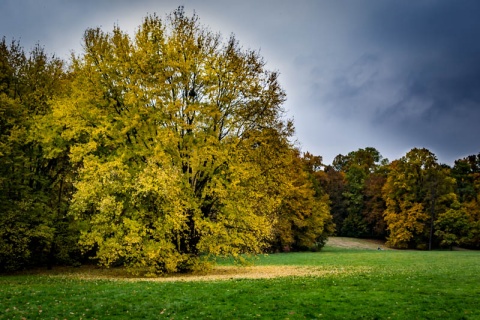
387 74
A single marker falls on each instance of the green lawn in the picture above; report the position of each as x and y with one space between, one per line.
363 284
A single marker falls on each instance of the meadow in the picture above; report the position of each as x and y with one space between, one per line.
336 283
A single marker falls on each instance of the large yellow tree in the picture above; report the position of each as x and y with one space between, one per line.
179 143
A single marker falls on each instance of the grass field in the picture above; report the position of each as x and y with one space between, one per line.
336 283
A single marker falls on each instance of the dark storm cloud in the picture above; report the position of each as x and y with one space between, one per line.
439 72
437 46
413 76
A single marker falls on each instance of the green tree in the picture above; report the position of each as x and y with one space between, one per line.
179 142
453 226
466 172
32 188
358 166
354 224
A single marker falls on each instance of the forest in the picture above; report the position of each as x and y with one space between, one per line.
164 150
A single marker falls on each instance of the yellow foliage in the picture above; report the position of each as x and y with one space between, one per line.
179 145
417 190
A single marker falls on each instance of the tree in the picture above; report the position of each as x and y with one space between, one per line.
354 224
472 212
374 205
32 184
304 220
179 142
466 172
334 184
417 190
358 166
452 226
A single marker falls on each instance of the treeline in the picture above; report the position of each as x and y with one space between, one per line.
413 202
158 152
162 151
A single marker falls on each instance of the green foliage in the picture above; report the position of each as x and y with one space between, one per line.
452 226
32 184
466 172
354 224
463 228
355 188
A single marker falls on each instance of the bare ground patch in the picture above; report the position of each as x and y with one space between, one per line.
218 273
354 243
255 272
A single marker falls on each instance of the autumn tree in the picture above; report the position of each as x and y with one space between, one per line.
179 142
472 214
313 165
304 220
417 191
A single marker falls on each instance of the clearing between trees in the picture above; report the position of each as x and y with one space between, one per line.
354 243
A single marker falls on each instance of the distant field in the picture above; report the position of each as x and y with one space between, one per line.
341 282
